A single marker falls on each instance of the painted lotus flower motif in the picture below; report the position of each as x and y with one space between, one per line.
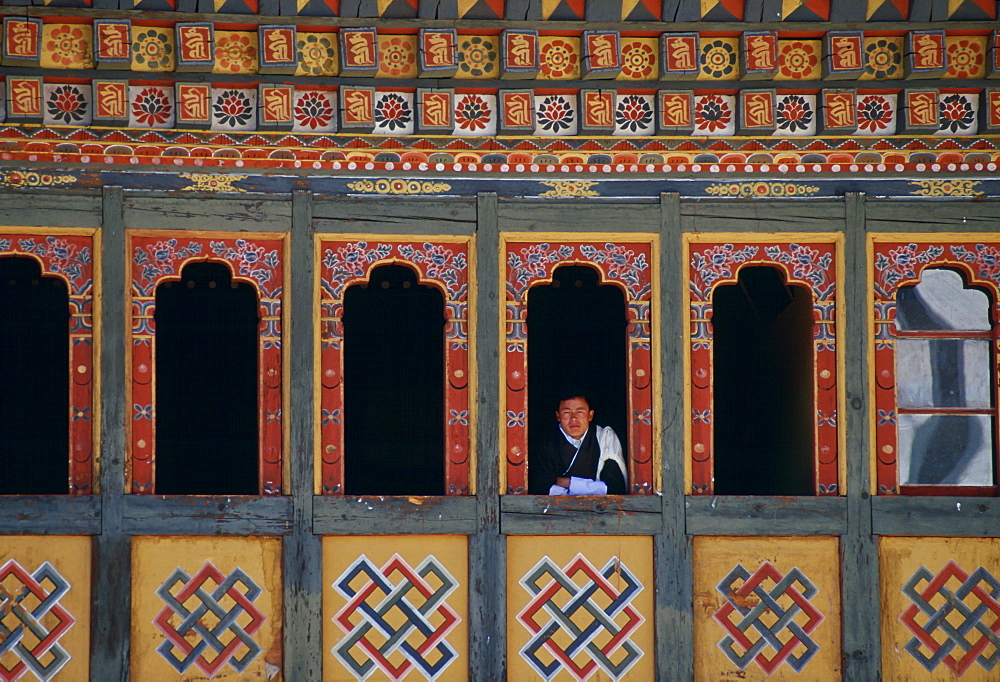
235 53
718 59
874 113
66 105
477 56
393 112
472 113
152 49
233 109
956 114
559 59
152 107
633 113
638 60
712 113
555 114
794 114
798 60
313 110
965 59
883 58
317 55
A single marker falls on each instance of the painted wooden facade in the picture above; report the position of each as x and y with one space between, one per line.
666 144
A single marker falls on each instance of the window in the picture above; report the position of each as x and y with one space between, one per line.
372 362
617 278
763 357
216 402
46 363
935 375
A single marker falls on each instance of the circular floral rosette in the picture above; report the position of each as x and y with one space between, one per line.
798 60
397 57
794 115
957 115
713 115
313 112
876 115
718 60
235 52
152 51
67 105
634 115
233 110
477 57
475 115
554 115
638 60
68 46
883 58
317 54
560 60
966 59
393 114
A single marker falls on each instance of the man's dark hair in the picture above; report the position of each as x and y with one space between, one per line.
569 395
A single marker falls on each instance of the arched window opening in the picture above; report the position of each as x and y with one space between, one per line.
944 382
394 433
577 343
206 384
763 413
34 380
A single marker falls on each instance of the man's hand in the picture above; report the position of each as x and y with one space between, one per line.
563 481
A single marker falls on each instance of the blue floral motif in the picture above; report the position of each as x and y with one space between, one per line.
623 264
794 114
531 264
717 263
248 259
232 109
555 114
899 264
634 113
60 256
441 263
807 263
67 105
956 114
392 112
985 258
348 262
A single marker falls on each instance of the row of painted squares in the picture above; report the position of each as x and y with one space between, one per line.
601 112
210 607
515 53
570 10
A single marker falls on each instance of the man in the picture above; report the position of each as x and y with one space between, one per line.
575 458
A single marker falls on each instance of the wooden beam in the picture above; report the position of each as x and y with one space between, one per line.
213 213
941 516
732 515
354 515
206 515
590 515
50 515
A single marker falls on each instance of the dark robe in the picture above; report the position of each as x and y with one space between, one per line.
551 458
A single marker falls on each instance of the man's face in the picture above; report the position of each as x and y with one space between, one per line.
574 416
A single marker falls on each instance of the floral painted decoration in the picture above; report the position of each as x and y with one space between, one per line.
875 114
313 111
794 114
638 60
67 46
235 52
398 57
798 60
152 107
66 105
555 114
956 114
233 109
478 57
317 54
883 58
392 112
634 114
718 59
966 58
712 113
152 51
560 59
472 114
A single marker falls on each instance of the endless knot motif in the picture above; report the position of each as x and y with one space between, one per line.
32 621
769 612
396 618
223 619
953 617
587 621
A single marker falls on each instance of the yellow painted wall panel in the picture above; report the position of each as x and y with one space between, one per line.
580 607
45 606
414 585
940 608
206 608
753 593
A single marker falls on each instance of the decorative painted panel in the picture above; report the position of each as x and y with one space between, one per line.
69 256
580 608
441 262
157 257
807 260
940 608
396 608
625 261
206 608
44 608
767 608
900 260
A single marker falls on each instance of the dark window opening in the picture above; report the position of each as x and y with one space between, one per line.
206 384
34 380
763 413
577 342
394 386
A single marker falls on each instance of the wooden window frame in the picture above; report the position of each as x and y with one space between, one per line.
68 254
160 256
809 260
629 262
900 260
443 262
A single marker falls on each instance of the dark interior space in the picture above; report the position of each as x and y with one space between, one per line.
394 386
577 343
206 384
34 380
763 386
